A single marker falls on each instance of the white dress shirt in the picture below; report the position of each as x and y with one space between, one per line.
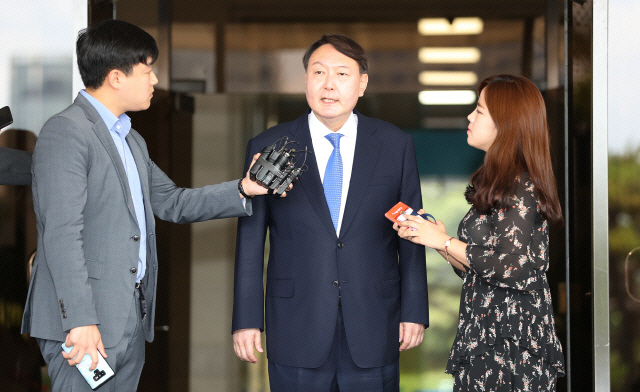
322 148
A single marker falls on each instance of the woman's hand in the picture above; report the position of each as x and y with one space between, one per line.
433 235
421 231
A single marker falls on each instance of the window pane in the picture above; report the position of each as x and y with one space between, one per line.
36 61
624 190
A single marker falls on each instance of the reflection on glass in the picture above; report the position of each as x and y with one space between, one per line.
624 197
36 60
35 82
422 369
632 275
266 57
624 269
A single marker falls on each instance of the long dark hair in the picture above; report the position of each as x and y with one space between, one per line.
521 145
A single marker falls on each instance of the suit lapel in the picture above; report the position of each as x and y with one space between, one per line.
310 181
101 131
365 157
143 172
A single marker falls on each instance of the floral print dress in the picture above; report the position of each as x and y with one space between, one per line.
506 339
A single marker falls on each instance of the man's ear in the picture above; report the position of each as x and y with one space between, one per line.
114 78
364 80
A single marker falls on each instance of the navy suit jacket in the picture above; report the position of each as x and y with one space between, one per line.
381 278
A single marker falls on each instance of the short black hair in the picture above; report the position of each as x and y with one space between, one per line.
112 44
342 44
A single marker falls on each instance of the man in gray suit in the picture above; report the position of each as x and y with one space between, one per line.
95 194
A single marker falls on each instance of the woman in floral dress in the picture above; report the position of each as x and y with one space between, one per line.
506 339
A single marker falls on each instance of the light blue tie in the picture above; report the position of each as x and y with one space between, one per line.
332 181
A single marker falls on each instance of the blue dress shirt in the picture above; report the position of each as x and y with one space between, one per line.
119 128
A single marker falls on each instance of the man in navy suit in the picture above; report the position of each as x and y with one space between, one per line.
344 295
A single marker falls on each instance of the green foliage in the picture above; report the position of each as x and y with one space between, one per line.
624 237
624 182
422 368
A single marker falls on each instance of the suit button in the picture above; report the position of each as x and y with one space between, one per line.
135 238
64 316
133 270
340 245
335 283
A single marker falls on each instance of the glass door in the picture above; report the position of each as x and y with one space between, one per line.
624 195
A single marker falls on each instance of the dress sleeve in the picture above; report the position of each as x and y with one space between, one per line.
514 254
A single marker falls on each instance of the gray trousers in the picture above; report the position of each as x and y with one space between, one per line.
126 359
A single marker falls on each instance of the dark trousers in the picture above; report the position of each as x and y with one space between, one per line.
338 374
126 359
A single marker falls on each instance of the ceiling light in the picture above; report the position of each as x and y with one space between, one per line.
441 26
447 97
466 55
448 78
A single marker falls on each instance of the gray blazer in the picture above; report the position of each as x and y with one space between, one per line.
88 235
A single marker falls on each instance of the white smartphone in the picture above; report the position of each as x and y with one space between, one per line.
96 377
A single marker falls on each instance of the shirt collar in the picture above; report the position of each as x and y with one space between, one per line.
349 129
121 125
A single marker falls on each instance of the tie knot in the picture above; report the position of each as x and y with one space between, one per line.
334 138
